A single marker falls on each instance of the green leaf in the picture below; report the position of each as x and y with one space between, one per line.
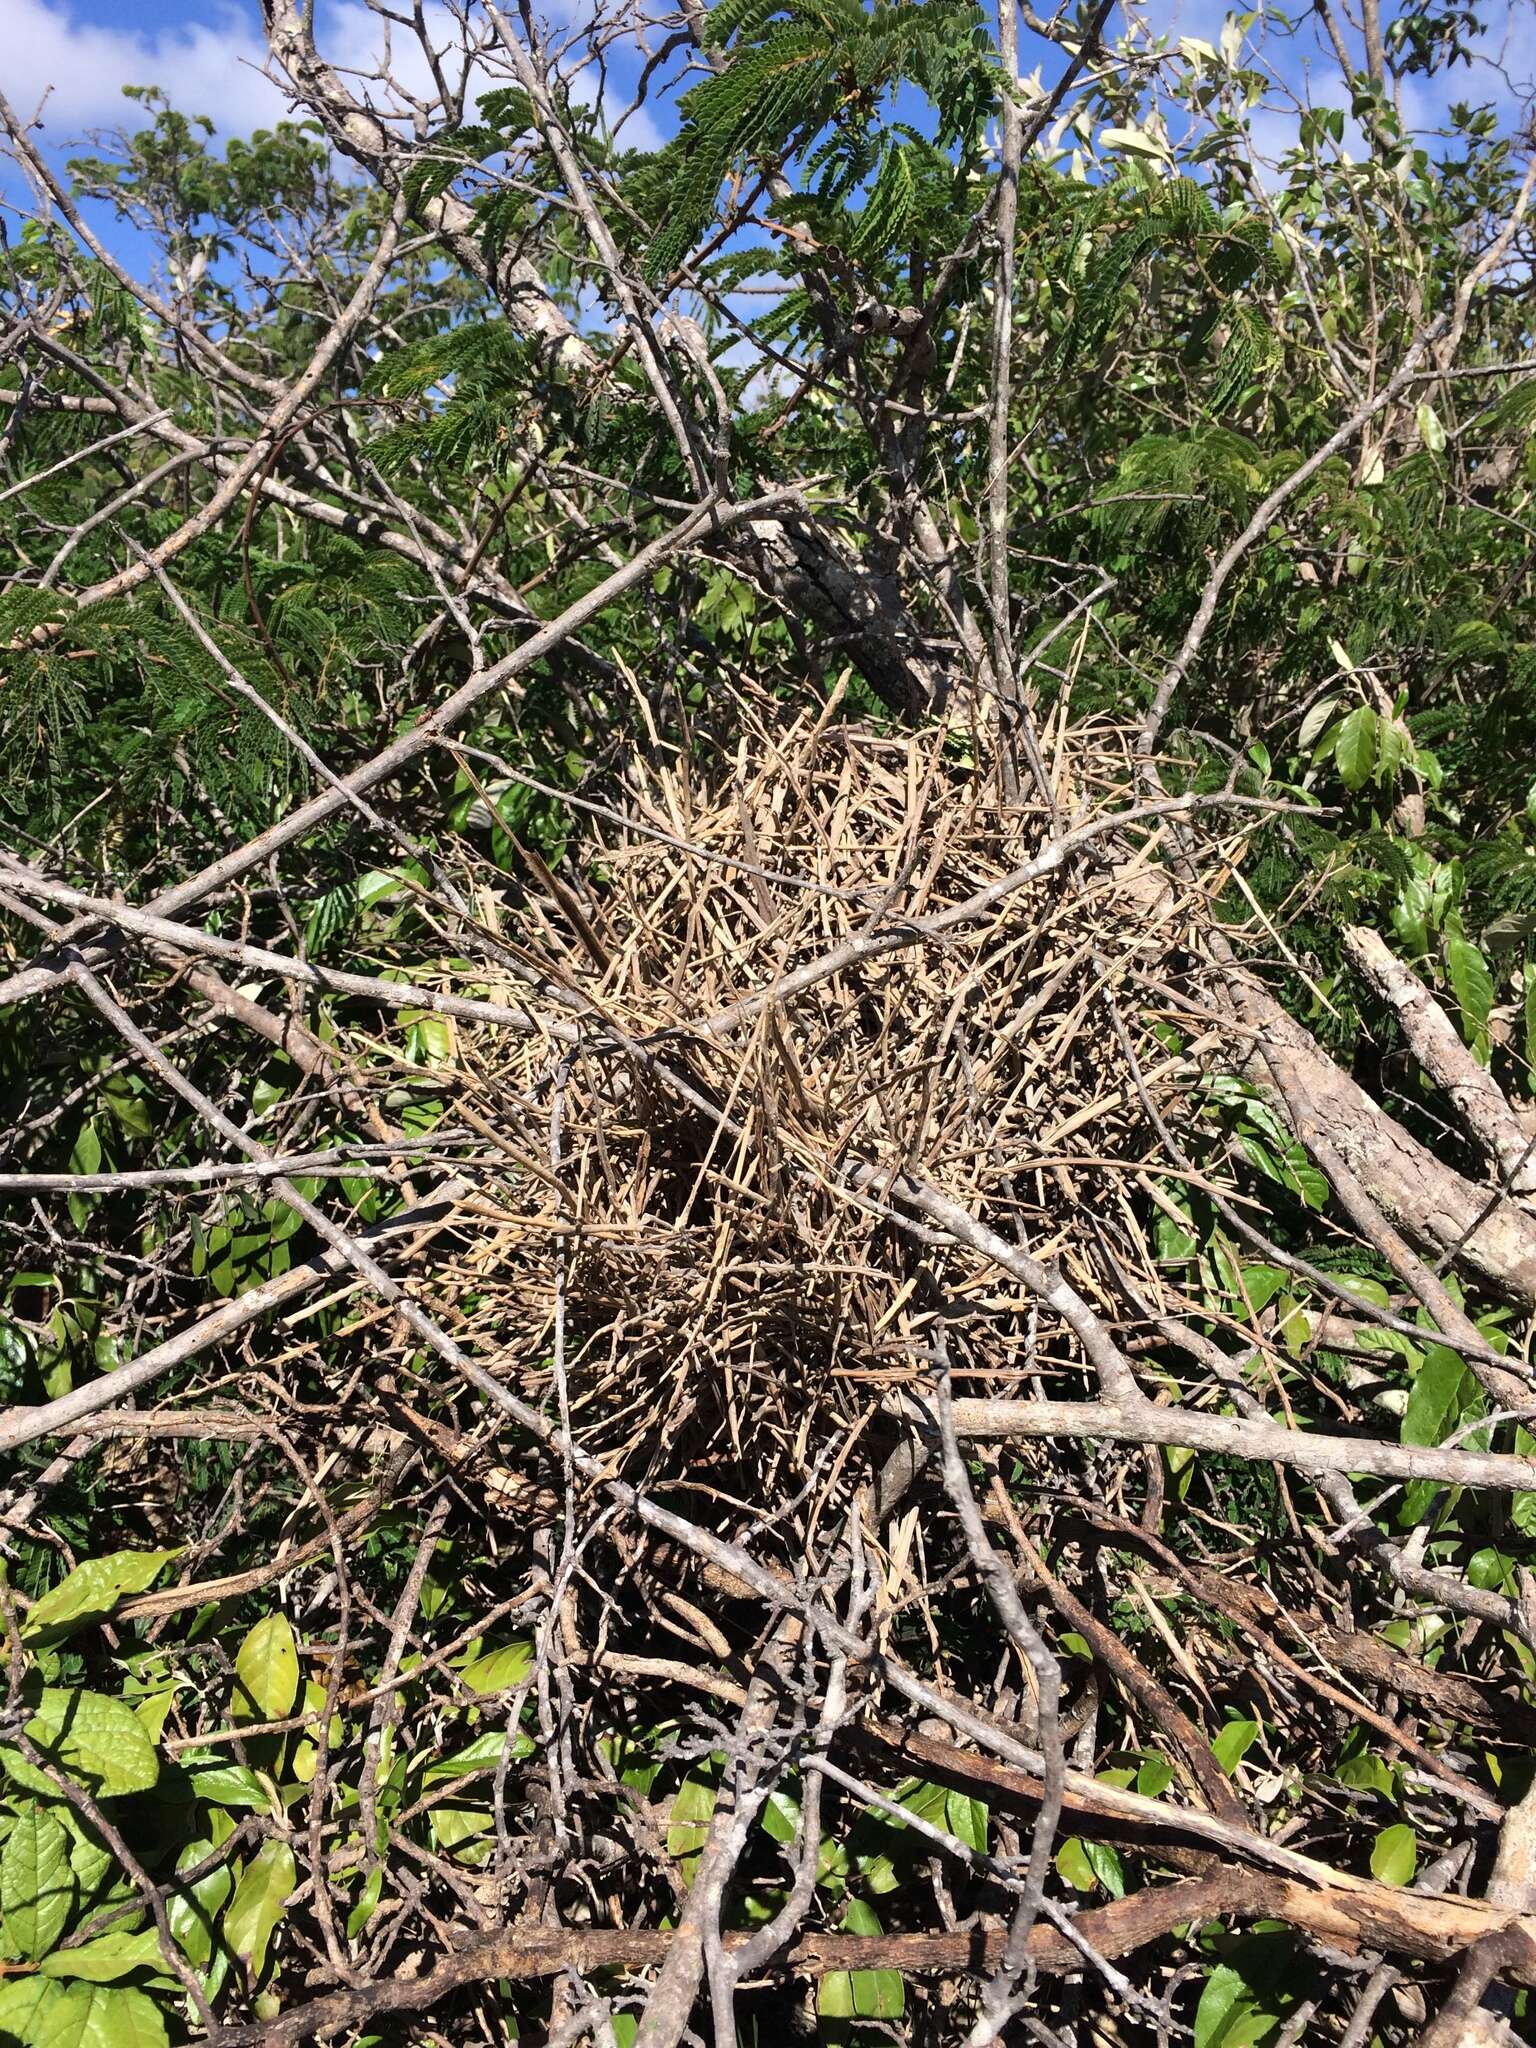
688 1826
1248 1994
224 1784
261 1897
1073 1866
861 1994
1473 985
967 1820
1434 1404
37 1886
86 1156
1443 1392
1107 1867
1228 2015
90 1738
91 1591
367 1903
98 2016
266 1672
499 1670
1431 432
1522 1506
107 1958
1395 1855
1133 141
1355 748
1154 1777
25 2004
1234 1743
193 1911
779 1816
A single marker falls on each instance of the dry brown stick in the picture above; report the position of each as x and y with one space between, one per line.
669 2004
1309 1119
531 1952
1436 1042
1350 1912
999 1994
1434 1928
709 517
1464 2021
1247 1605
1417 1192
1128 1671
1234 1436
21 1425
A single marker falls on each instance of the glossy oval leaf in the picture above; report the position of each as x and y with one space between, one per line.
261 1898
193 1912
1354 750
1395 1855
499 1670
91 1739
91 1591
37 1886
108 1958
98 2016
266 1672
1234 1743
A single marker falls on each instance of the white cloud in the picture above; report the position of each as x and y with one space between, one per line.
210 67
214 65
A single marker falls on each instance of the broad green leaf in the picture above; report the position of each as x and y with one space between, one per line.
90 1738
266 1672
37 1886
152 1709
1107 1867
1073 1866
1248 1994
861 1994
108 1958
25 2005
194 1910
967 1820
1135 141
1228 2015
99 2016
1316 720
86 1156
779 1816
89 1857
453 1826
1369 1773
1355 748
261 1898
1154 1777
1473 985
1435 1402
499 1670
1443 1392
1395 1855
483 1754
1431 432
1234 1743
688 1825
91 1591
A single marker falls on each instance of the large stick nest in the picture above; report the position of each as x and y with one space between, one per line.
725 1290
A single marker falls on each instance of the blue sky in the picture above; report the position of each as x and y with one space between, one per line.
209 52
208 55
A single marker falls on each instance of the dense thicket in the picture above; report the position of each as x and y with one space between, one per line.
769 1037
